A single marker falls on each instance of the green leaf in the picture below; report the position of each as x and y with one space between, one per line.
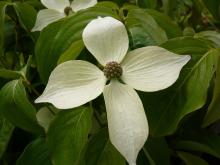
213 7
68 134
147 3
44 117
149 158
120 2
143 29
198 141
12 74
195 146
108 4
9 74
35 153
35 3
26 15
72 52
158 150
100 151
8 37
212 37
190 159
6 130
16 108
58 37
187 45
188 94
168 6
213 113
3 6
171 28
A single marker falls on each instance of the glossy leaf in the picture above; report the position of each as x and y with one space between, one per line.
191 159
213 113
188 94
168 6
72 52
149 160
212 37
159 150
16 108
68 134
199 141
58 37
6 130
3 6
143 29
170 27
187 45
108 4
35 153
100 151
9 74
147 3
26 15
44 117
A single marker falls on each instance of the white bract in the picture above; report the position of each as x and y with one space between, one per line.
150 68
58 9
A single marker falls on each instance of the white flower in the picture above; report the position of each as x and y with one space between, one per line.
150 68
58 9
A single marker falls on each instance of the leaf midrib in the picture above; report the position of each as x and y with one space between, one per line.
179 88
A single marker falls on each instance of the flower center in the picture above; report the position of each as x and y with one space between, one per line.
112 70
68 10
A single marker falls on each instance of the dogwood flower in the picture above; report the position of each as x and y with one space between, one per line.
150 68
58 9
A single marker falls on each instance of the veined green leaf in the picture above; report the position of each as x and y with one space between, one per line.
35 153
149 158
191 159
108 4
58 37
16 108
72 52
9 74
100 151
168 6
212 37
26 15
207 143
187 45
213 113
170 27
143 29
158 150
68 134
152 4
45 115
188 94
6 129
3 6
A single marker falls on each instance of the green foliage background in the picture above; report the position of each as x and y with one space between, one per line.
183 119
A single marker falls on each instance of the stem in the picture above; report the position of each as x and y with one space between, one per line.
51 110
151 161
32 88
